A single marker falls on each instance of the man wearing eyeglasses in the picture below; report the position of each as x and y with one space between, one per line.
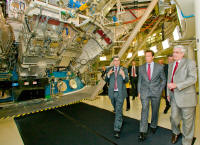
117 77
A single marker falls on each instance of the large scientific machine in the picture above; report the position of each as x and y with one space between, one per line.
46 46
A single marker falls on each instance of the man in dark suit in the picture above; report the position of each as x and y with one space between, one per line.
170 60
133 75
117 77
151 82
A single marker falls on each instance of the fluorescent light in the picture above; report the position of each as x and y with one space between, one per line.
141 53
103 58
176 33
159 56
165 44
154 49
172 2
129 55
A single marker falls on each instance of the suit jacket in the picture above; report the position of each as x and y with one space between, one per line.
166 70
185 78
121 83
130 70
154 86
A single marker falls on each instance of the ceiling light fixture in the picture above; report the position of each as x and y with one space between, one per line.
103 58
165 44
141 53
176 33
154 49
129 55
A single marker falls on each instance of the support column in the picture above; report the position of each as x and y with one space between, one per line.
190 52
197 21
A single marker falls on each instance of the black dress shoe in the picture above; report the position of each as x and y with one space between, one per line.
153 130
127 109
175 138
142 137
116 134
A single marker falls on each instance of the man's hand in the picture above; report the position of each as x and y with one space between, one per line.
171 85
121 72
110 72
168 98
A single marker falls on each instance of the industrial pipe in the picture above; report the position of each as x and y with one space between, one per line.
197 21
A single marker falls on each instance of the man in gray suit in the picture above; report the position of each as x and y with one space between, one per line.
182 76
150 85
117 77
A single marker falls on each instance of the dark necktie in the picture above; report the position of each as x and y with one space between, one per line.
133 71
176 66
149 71
115 87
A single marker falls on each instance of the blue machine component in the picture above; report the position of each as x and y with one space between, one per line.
6 85
77 4
65 77
59 74
6 100
5 75
92 10
14 76
15 84
114 19
71 4
67 31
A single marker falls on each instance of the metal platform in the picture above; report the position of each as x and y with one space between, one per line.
37 105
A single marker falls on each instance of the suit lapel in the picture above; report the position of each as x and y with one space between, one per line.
145 70
180 65
170 71
118 71
113 74
154 70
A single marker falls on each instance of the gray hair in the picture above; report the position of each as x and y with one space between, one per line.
183 49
